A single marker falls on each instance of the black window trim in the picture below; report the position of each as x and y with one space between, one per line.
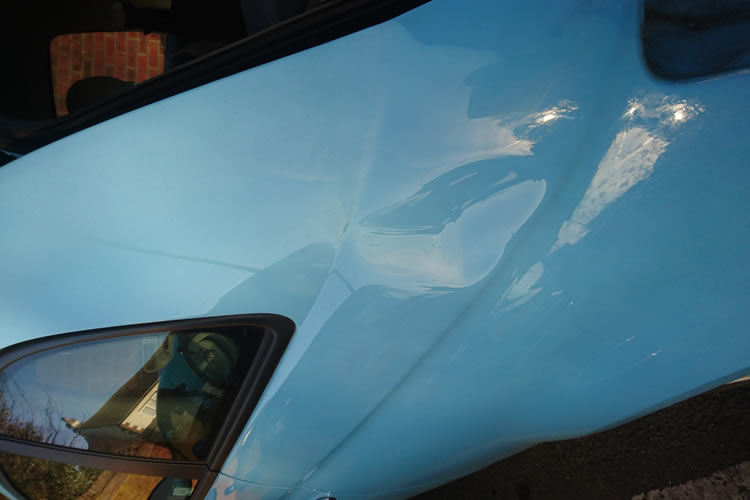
279 332
104 461
331 20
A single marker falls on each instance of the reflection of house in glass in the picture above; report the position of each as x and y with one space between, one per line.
173 402
126 423
109 484
144 414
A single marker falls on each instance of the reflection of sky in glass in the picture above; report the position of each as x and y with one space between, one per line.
74 382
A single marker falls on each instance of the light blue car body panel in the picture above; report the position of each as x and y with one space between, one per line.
491 225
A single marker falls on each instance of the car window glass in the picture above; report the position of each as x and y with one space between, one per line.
39 479
159 395
78 53
89 67
82 62
690 40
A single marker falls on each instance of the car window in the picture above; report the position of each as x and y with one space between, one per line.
88 67
147 411
157 396
691 40
86 61
79 53
39 479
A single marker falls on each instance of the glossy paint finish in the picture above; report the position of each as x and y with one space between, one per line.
491 225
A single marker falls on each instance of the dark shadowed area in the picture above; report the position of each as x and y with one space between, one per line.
685 442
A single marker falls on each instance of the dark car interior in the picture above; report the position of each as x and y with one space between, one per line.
193 29
201 42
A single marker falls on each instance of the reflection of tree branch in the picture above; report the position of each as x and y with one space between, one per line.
25 400
34 477
54 428
23 422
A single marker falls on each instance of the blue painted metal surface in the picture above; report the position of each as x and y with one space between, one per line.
491 226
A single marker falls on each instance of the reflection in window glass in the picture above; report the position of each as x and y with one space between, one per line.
40 479
155 396
106 64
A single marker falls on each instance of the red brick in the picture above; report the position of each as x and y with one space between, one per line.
122 38
63 62
142 69
59 104
129 56
109 51
120 67
61 90
87 44
62 80
64 43
153 54
132 53
76 62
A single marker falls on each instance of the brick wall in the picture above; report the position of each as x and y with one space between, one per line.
126 55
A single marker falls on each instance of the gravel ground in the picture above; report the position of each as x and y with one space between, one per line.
729 483
695 449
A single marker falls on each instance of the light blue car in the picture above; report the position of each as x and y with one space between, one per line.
371 248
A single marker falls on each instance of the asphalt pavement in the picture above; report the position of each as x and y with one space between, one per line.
699 448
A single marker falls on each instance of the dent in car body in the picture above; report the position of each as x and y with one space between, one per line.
491 225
